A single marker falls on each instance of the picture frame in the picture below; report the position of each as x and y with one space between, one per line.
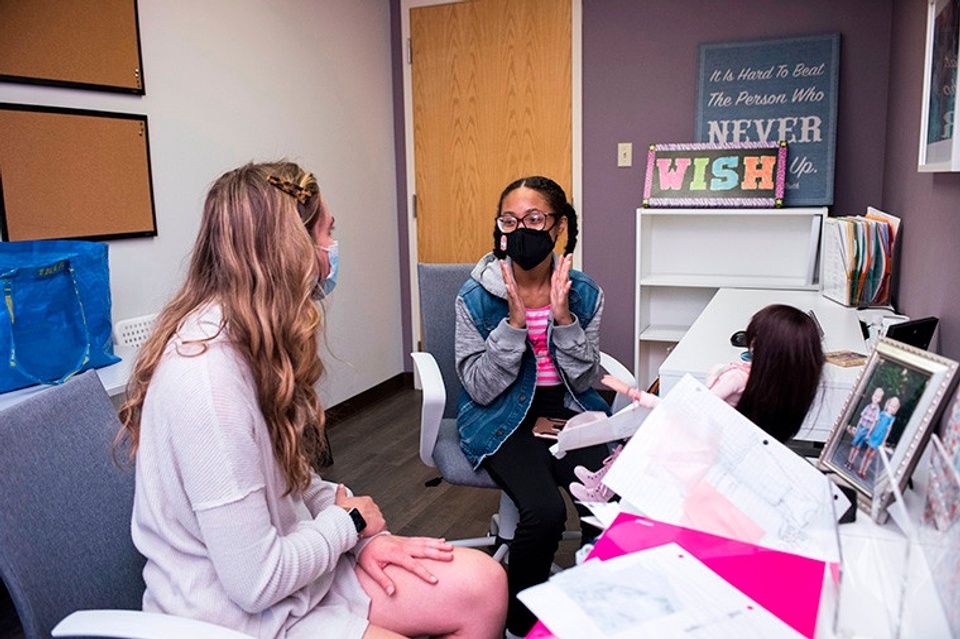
747 174
775 89
918 381
939 134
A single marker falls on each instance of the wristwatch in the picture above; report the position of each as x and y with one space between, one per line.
358 521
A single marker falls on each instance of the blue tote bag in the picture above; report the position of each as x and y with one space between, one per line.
55 320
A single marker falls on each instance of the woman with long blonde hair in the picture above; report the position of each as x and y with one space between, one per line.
225 425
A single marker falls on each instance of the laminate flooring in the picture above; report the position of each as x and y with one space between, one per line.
376 453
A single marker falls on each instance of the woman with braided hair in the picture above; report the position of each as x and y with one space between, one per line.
527 346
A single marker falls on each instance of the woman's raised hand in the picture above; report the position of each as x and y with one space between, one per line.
518 311
560 291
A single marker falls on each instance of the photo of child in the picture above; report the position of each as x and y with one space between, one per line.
877 436
868 418
877 420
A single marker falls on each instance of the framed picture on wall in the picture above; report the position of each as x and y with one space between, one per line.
939 137
749 174
773 90
893 407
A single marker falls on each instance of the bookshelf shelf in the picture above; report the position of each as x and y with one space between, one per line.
684 255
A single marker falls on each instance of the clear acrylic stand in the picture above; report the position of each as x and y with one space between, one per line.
938 529
887 587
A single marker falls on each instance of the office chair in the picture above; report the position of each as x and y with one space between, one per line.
134 331
66 555
435 370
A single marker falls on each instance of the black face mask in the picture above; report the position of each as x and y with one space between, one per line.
528 248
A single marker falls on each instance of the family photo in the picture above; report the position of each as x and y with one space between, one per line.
878 420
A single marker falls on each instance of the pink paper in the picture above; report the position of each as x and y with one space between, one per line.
706 508
787 585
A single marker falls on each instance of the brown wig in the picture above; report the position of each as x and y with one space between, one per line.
787 361
556 200
254 257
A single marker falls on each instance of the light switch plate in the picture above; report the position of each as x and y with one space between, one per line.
625 154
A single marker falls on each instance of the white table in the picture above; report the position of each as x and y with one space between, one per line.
114 378
707 344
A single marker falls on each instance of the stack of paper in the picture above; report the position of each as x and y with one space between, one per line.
667 590
858 253
697 462
737 536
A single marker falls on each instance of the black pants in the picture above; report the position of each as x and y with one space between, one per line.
526 470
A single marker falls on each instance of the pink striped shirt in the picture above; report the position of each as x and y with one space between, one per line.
537 321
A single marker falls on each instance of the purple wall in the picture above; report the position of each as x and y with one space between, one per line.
927 202
639 86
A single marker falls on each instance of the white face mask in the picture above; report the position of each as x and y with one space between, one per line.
325 287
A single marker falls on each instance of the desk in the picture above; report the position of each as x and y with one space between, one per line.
114 378
707 344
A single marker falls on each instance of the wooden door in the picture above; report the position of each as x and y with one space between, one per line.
491 91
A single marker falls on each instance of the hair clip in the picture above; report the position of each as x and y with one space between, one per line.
301 194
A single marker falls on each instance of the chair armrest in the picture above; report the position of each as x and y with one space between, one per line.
613 366
135 624
434 401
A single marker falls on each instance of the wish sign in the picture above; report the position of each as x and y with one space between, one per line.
722 175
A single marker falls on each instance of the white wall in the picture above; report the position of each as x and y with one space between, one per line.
230 81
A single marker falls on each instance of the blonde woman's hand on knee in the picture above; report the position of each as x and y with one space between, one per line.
404 552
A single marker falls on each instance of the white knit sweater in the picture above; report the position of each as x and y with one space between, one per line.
222 543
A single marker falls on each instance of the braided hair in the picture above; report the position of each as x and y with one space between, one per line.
556 199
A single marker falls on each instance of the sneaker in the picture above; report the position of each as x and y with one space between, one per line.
591 479
599 493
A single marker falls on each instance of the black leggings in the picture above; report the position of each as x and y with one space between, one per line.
526 470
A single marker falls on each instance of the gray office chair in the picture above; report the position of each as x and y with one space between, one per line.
65 547
437 376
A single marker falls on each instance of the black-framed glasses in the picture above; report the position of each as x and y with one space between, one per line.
534 220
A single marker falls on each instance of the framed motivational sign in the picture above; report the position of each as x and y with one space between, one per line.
769 91
706 175
939 137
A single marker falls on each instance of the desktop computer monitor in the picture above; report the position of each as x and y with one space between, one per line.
918 332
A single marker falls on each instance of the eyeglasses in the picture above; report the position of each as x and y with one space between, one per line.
534 220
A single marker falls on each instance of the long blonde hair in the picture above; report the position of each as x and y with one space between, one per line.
255 258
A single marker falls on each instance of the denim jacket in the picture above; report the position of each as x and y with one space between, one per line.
496 364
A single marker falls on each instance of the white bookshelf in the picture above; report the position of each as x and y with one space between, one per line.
684 255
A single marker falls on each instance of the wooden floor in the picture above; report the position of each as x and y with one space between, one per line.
375 453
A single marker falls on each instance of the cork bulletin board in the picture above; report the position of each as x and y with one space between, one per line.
69 173
86 44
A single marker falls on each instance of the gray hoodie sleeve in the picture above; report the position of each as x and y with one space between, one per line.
487 367
578 350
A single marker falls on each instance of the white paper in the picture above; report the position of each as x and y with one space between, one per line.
659 592
593 427
699 463
604 512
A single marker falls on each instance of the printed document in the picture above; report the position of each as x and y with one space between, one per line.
698 463
659 592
